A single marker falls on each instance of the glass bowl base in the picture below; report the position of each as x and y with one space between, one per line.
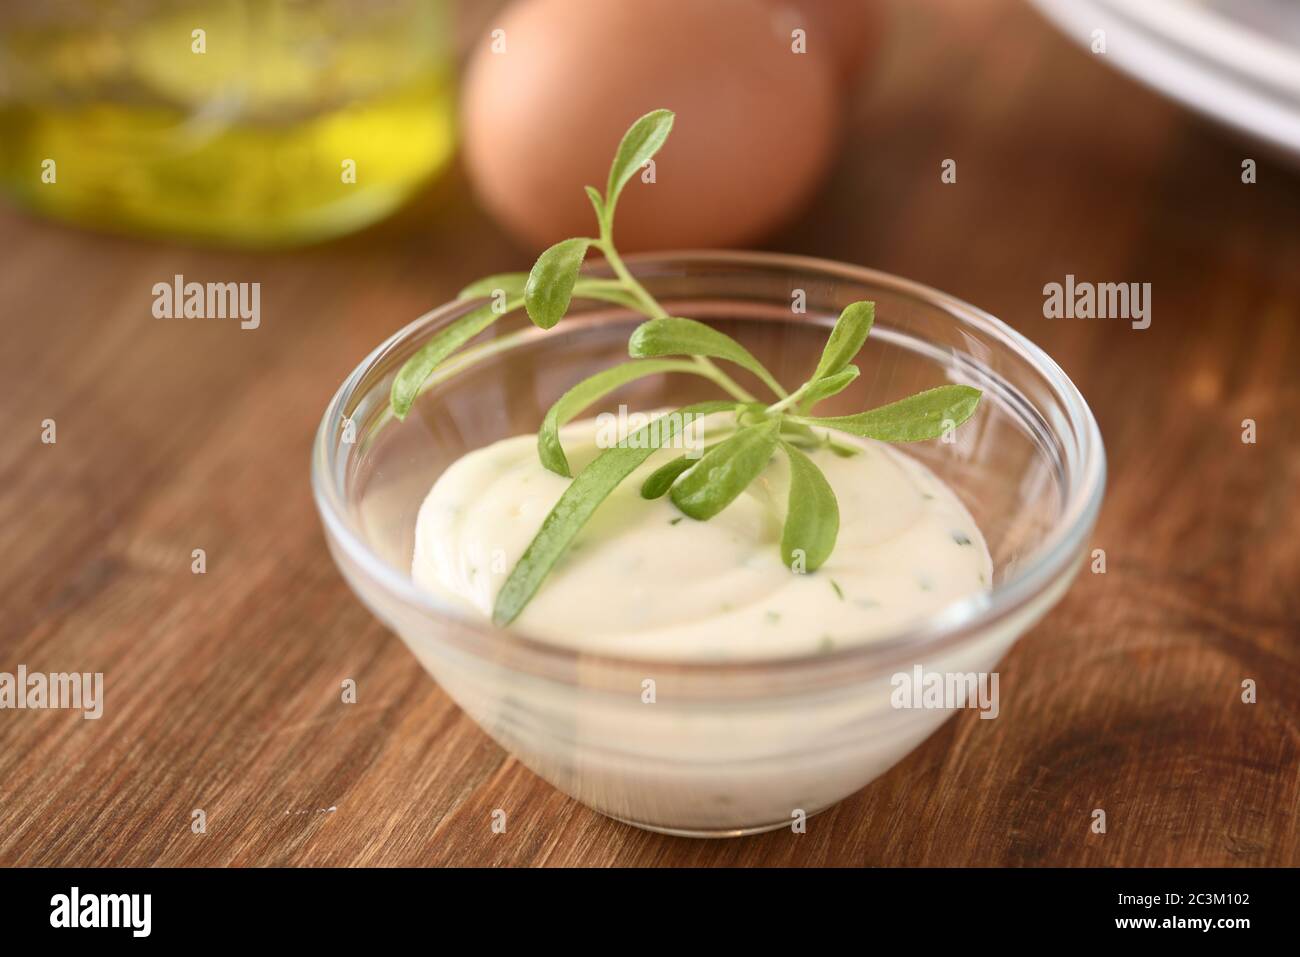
711 833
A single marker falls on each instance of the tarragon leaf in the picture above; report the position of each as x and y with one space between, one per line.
597 203
642 140
417 369
846 339
828 386
674 336
578 503
725 471
661 479
550 284
512 285
590 390
926 415
812 518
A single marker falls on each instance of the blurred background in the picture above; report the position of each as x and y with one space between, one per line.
287 122
363 161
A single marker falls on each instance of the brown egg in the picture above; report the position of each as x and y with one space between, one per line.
847 32
756 122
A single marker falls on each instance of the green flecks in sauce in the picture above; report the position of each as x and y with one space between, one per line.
728 569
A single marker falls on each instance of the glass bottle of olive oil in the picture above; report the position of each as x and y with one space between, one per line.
251 122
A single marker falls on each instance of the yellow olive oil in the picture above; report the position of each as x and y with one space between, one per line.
252 122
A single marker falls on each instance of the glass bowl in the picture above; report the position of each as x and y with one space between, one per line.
741 746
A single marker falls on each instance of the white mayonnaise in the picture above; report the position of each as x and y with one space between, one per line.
642 580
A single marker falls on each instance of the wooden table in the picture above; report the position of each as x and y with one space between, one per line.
223 688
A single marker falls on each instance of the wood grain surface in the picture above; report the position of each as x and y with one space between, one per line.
222 690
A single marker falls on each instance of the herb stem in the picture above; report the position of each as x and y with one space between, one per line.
722 380
788 400
655 311
606 245
826 440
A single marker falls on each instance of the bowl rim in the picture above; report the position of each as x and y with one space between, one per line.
966 619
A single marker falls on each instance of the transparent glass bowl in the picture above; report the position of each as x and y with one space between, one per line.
742 746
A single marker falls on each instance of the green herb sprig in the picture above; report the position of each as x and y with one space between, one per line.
663 344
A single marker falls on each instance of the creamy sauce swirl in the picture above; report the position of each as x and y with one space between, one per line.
642 580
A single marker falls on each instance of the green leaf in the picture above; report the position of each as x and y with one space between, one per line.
850 332
641 141
511 283
550 284
597 203
417 369
812 518
590 390
661 479
725 471
578 503
673 336
828 386
925 415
